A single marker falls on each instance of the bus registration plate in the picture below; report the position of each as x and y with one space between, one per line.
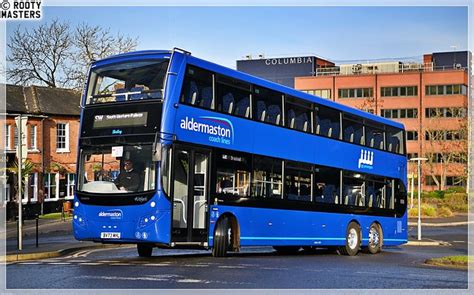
110 235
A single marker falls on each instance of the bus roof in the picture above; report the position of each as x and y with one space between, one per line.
263 83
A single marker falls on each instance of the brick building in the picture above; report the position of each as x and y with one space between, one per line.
429 98
52 132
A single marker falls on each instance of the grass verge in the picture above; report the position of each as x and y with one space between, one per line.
460 262
55 216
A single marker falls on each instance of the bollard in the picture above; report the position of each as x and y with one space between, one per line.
37 232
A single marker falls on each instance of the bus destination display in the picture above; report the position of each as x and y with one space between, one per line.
120 120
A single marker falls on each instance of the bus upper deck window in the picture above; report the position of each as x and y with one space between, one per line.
133 80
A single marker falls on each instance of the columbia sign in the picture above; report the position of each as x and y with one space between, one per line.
288 61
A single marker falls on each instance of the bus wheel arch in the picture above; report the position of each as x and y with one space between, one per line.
353 239
226 235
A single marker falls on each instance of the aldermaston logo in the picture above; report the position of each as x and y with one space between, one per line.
112 214
366 159
220 130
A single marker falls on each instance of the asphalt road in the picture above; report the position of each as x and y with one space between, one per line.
394 268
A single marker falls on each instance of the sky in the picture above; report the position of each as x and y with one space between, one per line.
226 34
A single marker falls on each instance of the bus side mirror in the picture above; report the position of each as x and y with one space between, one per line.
156 152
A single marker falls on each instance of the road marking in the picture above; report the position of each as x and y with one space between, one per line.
32 263
459 241
157 264
123 278
59 263
192 281
195 265
231 266
90 263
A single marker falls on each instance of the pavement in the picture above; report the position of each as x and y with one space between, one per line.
55 238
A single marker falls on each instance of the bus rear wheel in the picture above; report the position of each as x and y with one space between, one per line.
222 238
352 240
144 250
375 239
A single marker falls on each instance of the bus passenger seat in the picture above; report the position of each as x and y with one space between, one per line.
206 97
372 142
228 103
136 96
194 98
261 110
291 119
274 112
120 97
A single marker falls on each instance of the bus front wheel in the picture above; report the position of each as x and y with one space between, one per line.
144 250
353 239
222 238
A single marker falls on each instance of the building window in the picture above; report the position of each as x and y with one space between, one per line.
399 91
70 185
455 181
399 113
7 193
15 138
51 189
441 135
33 142
7 130
355 92
453 89
412 135
62 137
445 112
31 188
324 93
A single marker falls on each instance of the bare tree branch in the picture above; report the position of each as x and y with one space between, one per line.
39 55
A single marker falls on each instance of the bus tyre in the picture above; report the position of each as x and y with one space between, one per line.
352 240
222 236
144 250
375 239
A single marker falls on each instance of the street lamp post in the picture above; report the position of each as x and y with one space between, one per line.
419 193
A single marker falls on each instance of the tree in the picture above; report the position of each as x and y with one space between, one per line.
27 169
56 55
93 43
40 55
446 147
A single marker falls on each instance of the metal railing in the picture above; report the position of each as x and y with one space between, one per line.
383 68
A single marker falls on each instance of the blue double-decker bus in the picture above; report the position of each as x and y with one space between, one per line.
178 152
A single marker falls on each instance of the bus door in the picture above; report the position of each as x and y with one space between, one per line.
190 194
